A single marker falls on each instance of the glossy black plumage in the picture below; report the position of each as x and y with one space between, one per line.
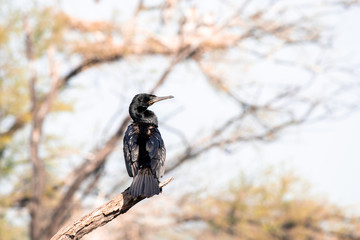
144 149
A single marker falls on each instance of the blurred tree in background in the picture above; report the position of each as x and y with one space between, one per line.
48 175
276 206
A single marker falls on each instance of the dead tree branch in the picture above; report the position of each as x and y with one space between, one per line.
101 215
88 64
38 170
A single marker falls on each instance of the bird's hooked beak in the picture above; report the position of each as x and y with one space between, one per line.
157 99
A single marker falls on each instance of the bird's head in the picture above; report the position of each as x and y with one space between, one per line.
144 100
138 108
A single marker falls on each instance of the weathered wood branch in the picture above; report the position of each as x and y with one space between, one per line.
88 64
101 215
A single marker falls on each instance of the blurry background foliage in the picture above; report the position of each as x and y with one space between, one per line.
244 73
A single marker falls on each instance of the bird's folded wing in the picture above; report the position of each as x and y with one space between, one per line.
157 153
131 151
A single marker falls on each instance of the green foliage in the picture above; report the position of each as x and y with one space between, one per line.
14 100
9 22
14 97
10 232
13 86
48 30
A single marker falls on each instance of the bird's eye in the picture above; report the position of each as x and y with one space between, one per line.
151 98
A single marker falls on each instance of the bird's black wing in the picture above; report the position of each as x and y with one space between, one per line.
157 152
131 150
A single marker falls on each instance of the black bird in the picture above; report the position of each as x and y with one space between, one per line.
144 149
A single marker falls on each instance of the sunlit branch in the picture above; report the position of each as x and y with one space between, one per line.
101 215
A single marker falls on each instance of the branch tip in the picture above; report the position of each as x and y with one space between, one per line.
166 182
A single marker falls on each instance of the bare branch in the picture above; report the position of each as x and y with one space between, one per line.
179 57
30 57
83 172
39 112
101 215
18 124
87 64
38 170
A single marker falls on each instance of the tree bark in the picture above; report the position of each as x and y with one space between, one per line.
101 215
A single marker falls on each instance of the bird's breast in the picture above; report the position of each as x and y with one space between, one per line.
143 129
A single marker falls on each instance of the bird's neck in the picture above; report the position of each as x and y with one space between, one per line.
142 115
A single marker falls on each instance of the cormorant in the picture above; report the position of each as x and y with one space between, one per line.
144 149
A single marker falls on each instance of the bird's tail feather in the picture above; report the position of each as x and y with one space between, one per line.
144 184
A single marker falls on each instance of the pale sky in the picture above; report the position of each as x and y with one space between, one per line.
327 154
